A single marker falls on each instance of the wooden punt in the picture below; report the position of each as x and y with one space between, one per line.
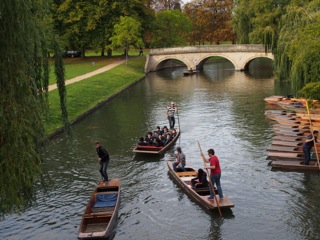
288 144
297 126
276 155
156 150
190 72
288 138
273 99
199 195
277 148
294 165
101 212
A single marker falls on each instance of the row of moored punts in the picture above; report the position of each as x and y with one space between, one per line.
292 124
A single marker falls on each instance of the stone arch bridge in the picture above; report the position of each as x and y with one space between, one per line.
194 57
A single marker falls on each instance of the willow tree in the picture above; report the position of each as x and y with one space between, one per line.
23 89
297 56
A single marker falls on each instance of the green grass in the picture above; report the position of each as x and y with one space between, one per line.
86 94
78 66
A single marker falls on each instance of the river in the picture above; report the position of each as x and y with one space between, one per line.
222 109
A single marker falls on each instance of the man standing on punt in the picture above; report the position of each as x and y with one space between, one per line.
103 160
170 111
308 145
215 174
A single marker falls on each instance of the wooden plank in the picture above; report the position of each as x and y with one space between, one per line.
288 138
288 144
283 155
184 174
284 149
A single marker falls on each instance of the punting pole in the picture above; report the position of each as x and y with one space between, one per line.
314 140
210 181
178 117
178 122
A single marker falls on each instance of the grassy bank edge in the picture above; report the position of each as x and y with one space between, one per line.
88 95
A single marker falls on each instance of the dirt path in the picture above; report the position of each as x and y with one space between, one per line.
87 75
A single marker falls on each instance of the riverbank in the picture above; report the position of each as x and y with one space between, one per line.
87 95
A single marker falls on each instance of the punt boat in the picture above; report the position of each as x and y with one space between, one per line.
154 149
101 212
199 195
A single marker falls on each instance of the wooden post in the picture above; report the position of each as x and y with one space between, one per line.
210 181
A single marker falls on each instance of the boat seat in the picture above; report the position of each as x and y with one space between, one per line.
185 174
103 210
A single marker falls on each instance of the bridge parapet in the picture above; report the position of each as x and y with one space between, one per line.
209 48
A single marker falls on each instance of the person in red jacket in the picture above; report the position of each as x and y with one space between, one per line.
215 174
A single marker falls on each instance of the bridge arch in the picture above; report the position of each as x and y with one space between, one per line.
169 62
249 60
203 60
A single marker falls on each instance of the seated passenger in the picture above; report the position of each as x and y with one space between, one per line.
201 180
180 163
165 131
142 142
162 140
148 138
159 143
168 139
173 133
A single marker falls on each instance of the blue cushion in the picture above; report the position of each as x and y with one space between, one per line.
106 200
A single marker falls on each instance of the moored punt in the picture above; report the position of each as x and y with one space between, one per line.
294 165
288 144
276 155
154 149
199 195
277 148
101 212
190 72
288 138
273 99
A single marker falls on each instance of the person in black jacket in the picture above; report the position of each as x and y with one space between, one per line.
308 145
201 180
103 160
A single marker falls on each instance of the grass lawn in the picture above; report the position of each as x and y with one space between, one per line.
86 94
78 66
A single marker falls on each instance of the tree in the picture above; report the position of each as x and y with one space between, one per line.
211 20
290 29
126 33
297 58
23 91
171 29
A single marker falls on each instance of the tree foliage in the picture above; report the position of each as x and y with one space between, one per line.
23 94
171 29
126 33
290 29
211 20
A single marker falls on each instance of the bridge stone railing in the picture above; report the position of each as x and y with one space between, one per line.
211 48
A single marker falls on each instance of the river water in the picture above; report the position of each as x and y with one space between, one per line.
220 108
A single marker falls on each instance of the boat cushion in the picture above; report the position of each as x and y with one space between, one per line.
105 200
